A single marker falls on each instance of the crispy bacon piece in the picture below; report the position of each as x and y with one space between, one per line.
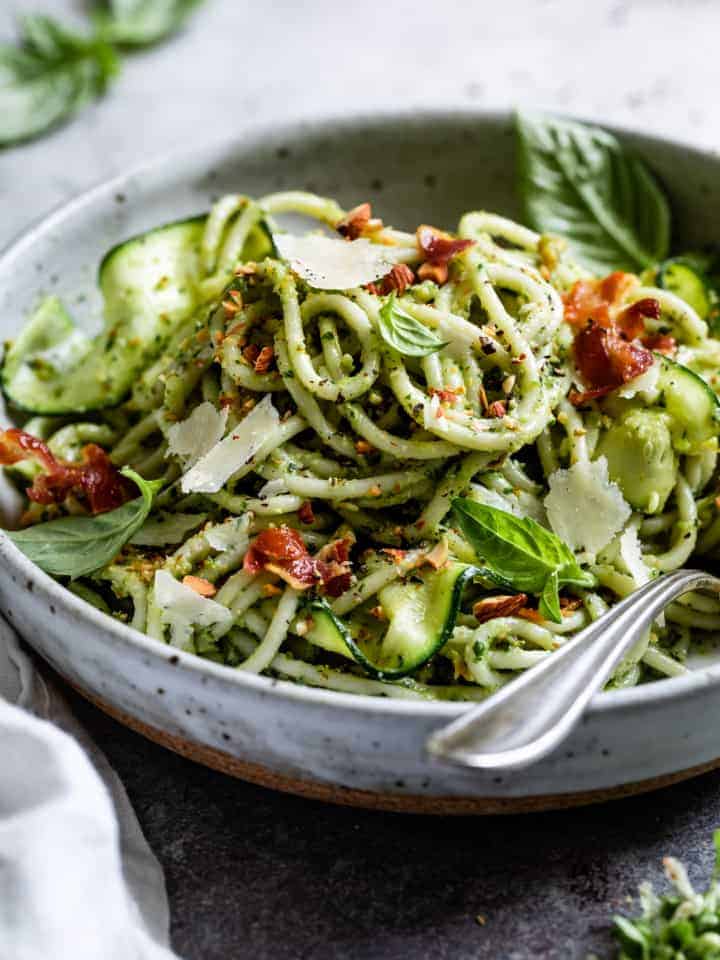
333 566
490 608
631 320
354 222
438 249
661 343
399 279
95 478
606 349
282 551
594 299
607 360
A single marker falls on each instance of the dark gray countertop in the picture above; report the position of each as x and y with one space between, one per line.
262 875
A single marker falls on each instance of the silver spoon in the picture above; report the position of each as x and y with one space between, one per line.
529 717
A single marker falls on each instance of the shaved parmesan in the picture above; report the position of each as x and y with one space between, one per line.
182 609
232 535
330 264
226 457
192 438
584 507
631 556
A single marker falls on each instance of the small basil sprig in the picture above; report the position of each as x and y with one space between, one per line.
53 71
404 333
579 182
521 553
75 546
48 76
138 23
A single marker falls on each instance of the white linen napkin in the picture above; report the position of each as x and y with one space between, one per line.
78 880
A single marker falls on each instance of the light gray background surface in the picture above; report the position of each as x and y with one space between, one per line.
254 874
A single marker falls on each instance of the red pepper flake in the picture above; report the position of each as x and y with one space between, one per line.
397 555
96 478
363 447
446 395
305 513
438 249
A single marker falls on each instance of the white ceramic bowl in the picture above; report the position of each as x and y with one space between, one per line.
341 747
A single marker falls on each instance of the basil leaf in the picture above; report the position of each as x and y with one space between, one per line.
75 546
521 552
550 599
49 76
579 182
406 334
137 23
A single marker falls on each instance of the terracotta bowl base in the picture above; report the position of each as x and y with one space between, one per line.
391 802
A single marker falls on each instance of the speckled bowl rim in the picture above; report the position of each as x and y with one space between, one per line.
54 593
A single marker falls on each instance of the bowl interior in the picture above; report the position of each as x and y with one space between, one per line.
427 168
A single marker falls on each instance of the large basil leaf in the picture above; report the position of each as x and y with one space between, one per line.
579 182
521 552
141 22
48 76
404 333
75 546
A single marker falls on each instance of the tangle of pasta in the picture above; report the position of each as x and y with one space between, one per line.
363 446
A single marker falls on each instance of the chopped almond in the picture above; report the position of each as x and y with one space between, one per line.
439 554
490 608
271 589
251 353
483 398
569 604
378 613
200 585
527 613
437 272
354 221
399 279
264 360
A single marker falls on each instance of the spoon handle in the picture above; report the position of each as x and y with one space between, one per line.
529 717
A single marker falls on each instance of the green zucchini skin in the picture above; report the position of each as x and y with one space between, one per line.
685 277
148 285
333 634
693 405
